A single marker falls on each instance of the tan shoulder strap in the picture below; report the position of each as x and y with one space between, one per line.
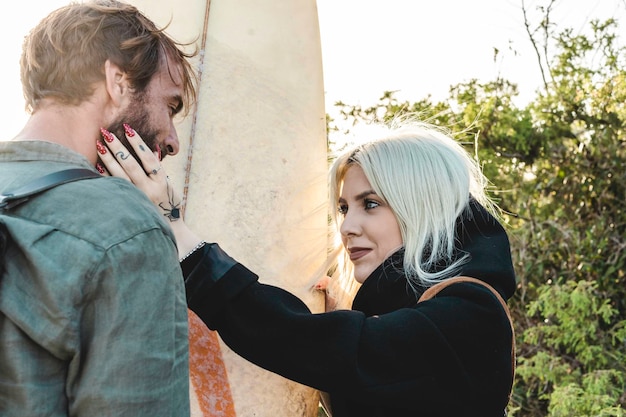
432 292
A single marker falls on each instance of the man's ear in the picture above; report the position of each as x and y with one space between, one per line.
117 84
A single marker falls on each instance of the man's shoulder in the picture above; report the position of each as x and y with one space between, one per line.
99 210
110 202
104 190
96 192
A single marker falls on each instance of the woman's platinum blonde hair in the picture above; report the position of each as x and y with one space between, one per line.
426 177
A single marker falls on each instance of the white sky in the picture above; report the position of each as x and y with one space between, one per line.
418 47
423 47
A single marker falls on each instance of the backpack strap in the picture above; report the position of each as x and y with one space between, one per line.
4 243
435 289
12 198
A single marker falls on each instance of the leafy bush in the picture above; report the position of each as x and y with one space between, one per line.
558 169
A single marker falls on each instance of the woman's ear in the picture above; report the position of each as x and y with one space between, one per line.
117 85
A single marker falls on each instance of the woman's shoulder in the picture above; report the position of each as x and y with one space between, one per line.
465 287
466 295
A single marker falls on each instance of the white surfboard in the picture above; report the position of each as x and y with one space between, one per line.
253 162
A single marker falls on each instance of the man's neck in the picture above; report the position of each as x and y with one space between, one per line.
74 127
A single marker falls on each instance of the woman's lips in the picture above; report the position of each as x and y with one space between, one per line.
358 253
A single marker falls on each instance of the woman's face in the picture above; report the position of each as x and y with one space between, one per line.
369 230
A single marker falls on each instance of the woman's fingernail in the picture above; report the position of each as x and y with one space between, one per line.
101 148
130 132
100 168
108 136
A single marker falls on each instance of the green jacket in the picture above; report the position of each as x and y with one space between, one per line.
93 317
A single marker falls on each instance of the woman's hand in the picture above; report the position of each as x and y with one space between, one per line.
324 285
150 177
147 174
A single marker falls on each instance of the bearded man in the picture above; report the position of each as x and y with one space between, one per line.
93 316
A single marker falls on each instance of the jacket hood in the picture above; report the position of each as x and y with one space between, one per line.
478 234
481 236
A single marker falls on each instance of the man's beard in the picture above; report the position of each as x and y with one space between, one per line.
141 126
137 117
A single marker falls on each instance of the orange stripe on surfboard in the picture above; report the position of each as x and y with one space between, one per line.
211 396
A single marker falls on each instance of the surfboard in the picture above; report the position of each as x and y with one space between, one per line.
253 164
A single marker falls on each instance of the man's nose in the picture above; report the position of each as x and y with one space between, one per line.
171 144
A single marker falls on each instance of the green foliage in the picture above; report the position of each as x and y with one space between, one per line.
579 362
558 170
576 320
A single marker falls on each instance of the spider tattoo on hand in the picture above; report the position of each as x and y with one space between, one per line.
173 212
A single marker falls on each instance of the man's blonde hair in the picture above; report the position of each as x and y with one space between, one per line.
64 55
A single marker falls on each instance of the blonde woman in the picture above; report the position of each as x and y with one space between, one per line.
411 211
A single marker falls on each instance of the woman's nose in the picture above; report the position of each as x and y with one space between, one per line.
349 225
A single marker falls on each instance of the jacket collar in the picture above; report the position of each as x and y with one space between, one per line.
386 289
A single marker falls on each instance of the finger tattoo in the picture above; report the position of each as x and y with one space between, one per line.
121 155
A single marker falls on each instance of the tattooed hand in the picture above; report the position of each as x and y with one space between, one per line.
147 173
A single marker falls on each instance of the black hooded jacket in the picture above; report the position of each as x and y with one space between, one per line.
389 356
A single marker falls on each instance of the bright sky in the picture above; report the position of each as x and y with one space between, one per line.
424 47
370 46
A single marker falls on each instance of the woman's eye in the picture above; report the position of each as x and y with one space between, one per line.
342 209
370 204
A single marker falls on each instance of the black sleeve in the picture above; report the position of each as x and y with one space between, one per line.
212 279
375 359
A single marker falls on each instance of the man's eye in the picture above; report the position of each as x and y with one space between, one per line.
175 108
